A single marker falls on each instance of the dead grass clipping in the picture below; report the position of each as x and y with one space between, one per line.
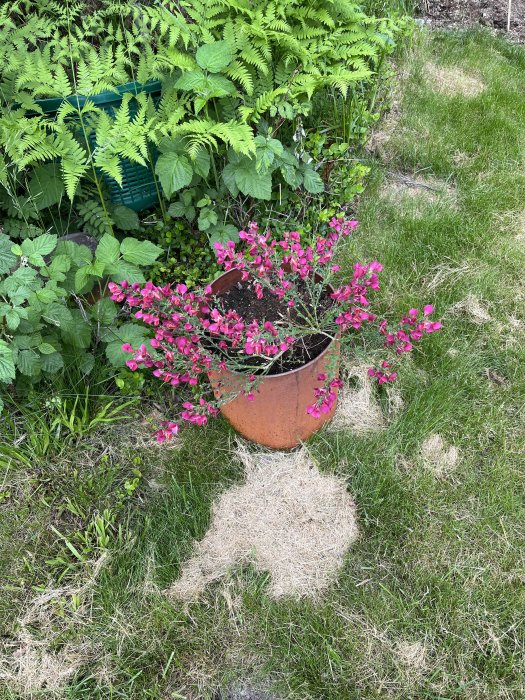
452 81
438 456
287 519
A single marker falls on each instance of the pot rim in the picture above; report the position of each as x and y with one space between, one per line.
288 372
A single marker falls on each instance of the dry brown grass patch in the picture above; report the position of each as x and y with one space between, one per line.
287 518
453 81
357 407
417 194
413 655
438 456
474 309
35 662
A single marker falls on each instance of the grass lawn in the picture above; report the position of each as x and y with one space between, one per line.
430 604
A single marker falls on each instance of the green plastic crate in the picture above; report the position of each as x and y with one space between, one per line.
138 190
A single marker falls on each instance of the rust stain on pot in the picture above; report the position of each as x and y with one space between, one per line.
277 416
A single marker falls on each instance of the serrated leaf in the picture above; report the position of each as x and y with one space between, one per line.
130 333
36 259
86 363
58 267
175 172
202 162
252 183
108 249
7 364
83 274
79 254
291 175
46 186
193 80
7 259
312 181
25 277
207 218
46 295
12 319
125 218
78 333
46 348
52 362
58 315
214 57
223 234
228 175
177 210
104 311
123 270
139 252
40 246
29 363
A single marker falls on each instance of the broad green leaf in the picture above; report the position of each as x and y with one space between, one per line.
29 363
175 172
291 175
228 175
79 254
266 152
207 218
201 163
139 252
52 362
219 86
191 81
58 315
81 278
214 57
104 311
58 268
178 209
25 277
7 259
86 363
78 333
123 270
24 342
125 218
252 183
46 348
46 186
312 181
108 249
130 333
223 234
83 274
46 295
12 319
36 259
7 364
43 245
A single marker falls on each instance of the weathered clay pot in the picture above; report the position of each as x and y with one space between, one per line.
277 416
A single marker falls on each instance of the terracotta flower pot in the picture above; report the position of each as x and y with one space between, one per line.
277 416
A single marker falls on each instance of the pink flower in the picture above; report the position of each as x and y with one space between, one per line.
194 333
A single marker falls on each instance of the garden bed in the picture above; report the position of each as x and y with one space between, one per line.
487 13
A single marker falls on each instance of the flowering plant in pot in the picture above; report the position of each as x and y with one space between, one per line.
262 343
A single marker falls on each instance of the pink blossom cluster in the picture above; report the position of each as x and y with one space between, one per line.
194 333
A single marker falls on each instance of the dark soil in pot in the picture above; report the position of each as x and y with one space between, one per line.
242 299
